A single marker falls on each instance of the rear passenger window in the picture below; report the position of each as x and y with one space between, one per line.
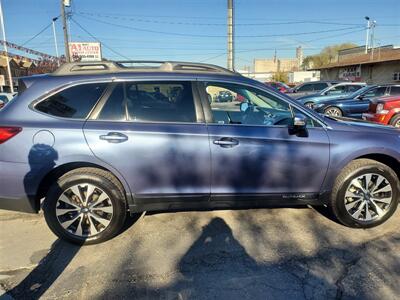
319 86
150 102
395 90
305 88
74 102
161 102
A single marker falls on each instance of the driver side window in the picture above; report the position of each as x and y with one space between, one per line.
239 104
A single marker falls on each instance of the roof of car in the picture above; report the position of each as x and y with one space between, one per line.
389 98
112 67
351 83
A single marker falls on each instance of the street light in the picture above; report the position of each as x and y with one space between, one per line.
5 49
367 36
55 39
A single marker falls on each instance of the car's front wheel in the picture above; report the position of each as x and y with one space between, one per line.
395 121
365 194
85 206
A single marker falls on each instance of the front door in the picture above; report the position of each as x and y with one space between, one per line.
252 150
152 134
356 107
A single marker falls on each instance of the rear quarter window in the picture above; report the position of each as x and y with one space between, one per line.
74 102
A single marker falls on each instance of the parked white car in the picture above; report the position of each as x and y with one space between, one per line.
5 98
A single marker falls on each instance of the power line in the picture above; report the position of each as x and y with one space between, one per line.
157 21
277 21
95 38
216 36
36 35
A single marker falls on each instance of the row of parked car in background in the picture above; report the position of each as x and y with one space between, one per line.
5 98
374 103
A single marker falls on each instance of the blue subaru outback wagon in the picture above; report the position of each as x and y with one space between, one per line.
94 142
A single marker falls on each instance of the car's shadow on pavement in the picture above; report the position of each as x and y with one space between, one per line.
221 261
46 272
52 266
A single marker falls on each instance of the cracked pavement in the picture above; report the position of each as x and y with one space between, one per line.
279 253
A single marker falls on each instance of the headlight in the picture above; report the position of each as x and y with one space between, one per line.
380 109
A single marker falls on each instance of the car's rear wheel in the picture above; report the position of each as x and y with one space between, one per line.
365 194
395 121
333 111
85 206
309 105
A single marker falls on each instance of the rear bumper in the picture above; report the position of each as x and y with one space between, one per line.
24 204
18 185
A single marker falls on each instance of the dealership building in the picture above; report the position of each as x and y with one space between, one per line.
379 65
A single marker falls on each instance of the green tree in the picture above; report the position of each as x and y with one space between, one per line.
281 77
327 56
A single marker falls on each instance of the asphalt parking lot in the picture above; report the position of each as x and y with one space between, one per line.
280 253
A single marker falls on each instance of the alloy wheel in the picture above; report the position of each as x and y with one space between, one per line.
368 197
397 124
84 210
333 111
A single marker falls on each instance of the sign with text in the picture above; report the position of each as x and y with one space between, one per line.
352 73
80 51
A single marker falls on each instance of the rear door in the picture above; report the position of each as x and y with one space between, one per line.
153 133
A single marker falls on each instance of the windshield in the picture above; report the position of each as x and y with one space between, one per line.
284 85
360 91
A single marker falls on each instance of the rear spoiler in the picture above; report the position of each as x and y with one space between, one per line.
26 82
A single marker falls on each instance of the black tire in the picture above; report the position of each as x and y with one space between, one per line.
101 179
329 109
395 121
353 170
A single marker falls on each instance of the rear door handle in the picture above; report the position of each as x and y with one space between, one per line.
226 142
114 137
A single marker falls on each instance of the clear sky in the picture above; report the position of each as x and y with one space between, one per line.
195 30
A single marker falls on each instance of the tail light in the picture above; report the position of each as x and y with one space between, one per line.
7 133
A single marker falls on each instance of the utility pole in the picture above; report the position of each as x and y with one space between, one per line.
373 24
5 49
231 62
55 39
65 29
367 36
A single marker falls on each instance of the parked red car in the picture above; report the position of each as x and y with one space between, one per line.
384 110
280 86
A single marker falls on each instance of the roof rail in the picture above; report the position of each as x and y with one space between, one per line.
104 67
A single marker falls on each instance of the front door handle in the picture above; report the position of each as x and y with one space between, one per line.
114 137
226 142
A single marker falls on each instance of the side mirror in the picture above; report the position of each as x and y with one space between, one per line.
244 106
299 126
300 121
